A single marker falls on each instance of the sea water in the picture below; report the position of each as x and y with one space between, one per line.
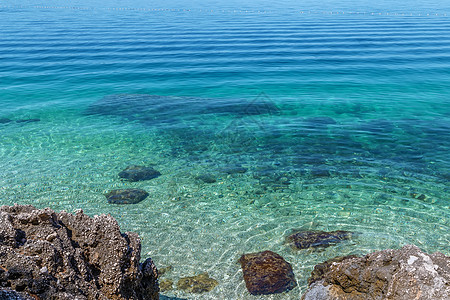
323 116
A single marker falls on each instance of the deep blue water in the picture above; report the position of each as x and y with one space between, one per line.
338 112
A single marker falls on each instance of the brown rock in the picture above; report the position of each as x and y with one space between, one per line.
52 255
403 274
197 284
267 273
166 285
316 238
164 270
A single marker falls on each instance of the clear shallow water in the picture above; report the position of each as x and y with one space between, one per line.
341 120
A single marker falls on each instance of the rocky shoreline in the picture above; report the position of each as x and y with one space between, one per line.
50 255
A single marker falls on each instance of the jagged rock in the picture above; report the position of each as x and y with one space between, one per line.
8 294
316 238
126 196
49 255
267 273
197 284
403 274
138 173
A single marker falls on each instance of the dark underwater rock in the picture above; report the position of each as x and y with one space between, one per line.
28 120
207 178
316 238
403 274
49 255
234 169
139 173
267 273
320 121
5 120
377 126
154 109
197 284
320 172
126 196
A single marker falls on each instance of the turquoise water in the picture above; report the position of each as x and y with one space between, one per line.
338 112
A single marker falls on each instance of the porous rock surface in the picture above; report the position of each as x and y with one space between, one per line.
403 274
49 255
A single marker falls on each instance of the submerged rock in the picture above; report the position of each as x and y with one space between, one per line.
166 285
49 255
320 172
316 238
126 196
28 120
403 274
207 178
5 120
157 109
138 173
233 169
197 284
320 121
267 273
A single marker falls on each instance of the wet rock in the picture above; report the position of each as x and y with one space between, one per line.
207 178
162 297
321 269
8 294
5 120
166 285
267 273
197 284
403 274
139 173
316 238
164 270
126 196
87 258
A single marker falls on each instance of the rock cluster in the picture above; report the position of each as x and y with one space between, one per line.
49 255
403 274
